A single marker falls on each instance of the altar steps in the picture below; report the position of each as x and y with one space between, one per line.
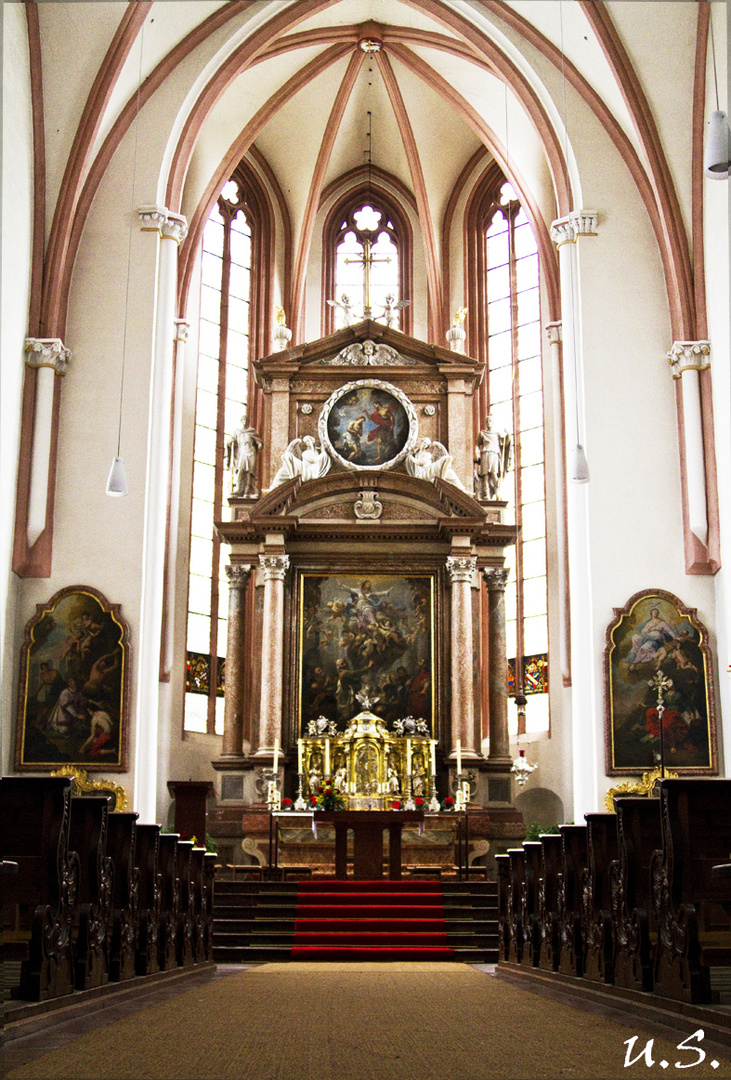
354 920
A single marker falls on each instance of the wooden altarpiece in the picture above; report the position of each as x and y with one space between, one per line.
368 581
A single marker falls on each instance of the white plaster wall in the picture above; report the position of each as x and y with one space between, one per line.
15 247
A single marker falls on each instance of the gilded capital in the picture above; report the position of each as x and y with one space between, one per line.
274 566
689 356
238 574
47 352
496 578
461 568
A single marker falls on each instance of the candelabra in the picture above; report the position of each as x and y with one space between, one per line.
434 805
409 804
299 803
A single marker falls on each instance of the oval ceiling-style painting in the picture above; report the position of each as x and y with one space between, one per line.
368 424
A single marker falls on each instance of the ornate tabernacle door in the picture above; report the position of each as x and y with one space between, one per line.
363 576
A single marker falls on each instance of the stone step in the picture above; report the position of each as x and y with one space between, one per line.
272 953
288 937
245 926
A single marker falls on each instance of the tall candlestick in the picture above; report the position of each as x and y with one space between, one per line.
459 756
299 755
408 757
433 756
276 755
327 755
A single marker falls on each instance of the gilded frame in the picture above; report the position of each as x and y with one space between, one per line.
73 692
353 401
656 634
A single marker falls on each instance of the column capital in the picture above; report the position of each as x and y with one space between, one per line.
238 574
554 332
565 230
274 566
182 329
461 568
160 220
496 577
689 356
47 352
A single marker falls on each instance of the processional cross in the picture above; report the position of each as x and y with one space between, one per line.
660 682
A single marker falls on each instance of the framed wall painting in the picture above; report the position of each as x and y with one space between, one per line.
366 637
368 424
74 685
655 645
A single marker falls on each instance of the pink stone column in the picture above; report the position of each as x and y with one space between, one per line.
238 575
496 578
461 570
272 652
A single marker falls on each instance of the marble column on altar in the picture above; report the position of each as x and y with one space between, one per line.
461 569
238 575
498 759
274 568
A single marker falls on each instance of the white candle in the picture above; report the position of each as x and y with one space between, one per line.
276 755
299 755
433 757
459 756
327 756
408 757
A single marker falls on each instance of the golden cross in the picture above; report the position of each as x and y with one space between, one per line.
366 260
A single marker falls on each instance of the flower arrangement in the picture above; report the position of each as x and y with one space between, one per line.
396 804
327 798
449 803
419 802
286 803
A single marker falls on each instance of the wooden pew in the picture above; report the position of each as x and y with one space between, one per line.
550 950
185 922
88 837
124 927
516 885
633 920
693 926
169 901
198 901
530 904
147 850
502 865
597 910
570 899
39 900
209 879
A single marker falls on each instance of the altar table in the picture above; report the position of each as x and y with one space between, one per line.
368 826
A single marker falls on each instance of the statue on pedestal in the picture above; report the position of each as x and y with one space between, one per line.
240 456
494 457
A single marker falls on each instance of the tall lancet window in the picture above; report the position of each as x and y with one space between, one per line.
515 387
367 270
223 363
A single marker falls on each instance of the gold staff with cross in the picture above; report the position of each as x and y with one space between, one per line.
660 682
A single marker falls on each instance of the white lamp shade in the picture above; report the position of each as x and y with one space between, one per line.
578 466
117 479
716 159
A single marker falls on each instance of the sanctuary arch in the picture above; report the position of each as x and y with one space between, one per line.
367 576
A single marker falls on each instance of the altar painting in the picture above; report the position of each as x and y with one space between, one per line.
657 645
366 637
367 425
74 685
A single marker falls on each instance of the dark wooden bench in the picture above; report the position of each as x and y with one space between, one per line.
693 923
88 837
551 855
633 921
124 926
530 904
502 866
198 901
185 922
570 899
169 901
516 885
598 934
147 851
209 880
38 900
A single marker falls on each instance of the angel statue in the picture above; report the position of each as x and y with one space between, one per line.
459 317
494 457
431 459
345 305
391 310
302 458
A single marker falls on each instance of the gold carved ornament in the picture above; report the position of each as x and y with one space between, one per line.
94 787
644 786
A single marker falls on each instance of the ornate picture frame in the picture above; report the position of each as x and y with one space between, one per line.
73 693
368 425
658 675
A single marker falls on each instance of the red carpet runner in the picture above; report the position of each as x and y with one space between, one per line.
370 920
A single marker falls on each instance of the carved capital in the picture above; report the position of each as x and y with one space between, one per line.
689 356
47 352
562 231
461 568
554 332
496 578
160 220
274 566
578 223
182 330
238 574
174 227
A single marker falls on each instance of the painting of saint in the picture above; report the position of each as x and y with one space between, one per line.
368 426
366 635
73 687
659 688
